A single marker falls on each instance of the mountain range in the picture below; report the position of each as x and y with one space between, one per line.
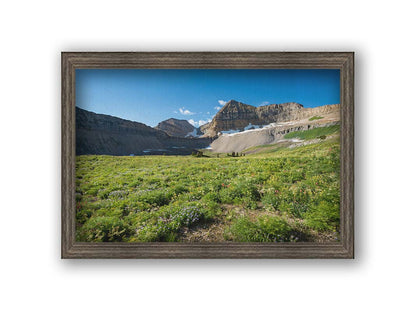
236 115
107 135
104 134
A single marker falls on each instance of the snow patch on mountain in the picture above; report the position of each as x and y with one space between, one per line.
192 134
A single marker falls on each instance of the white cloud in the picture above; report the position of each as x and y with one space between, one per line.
217 107
264 103
198 123
184 111
222 102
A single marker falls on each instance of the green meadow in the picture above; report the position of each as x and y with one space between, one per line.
278 194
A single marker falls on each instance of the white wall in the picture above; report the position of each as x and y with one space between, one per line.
33 277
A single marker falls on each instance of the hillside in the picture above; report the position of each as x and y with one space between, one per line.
100 134
270 134
286 196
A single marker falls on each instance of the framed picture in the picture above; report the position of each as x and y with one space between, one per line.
207 155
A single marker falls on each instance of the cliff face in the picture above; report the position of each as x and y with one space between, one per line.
236 115
106 135
175 127
279 112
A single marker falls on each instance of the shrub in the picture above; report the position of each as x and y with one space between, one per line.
118 194
211 197
179 189
264 229
156 198
249 203
186 216
137 182
298 209
270 200
93 190
239 193
324 216
83 214
103 229
198 154
167 227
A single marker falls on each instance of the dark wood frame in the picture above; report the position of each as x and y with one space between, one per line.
263 60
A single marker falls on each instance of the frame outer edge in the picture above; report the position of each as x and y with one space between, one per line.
72 60
68 152
347 155
350 161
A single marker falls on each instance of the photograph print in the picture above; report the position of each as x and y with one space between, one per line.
207 155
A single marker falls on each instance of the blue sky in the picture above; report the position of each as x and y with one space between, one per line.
153 95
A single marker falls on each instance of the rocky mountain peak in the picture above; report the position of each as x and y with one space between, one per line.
175 127
234 105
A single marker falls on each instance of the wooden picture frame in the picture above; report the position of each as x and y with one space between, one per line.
344 61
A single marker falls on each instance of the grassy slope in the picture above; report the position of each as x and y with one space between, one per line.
287 195
315 118
313 133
